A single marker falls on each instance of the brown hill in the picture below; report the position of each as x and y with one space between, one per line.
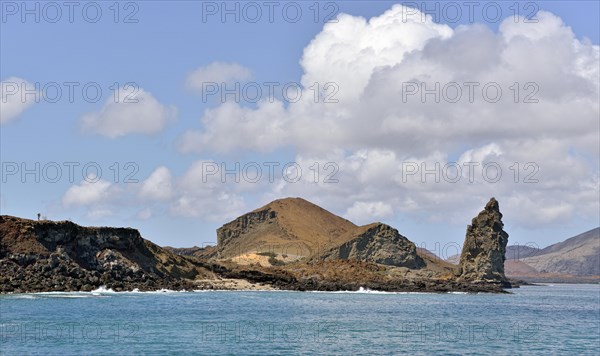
519 252
514 268
291 226
289 230
578 255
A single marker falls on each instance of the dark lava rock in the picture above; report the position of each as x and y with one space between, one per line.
484 249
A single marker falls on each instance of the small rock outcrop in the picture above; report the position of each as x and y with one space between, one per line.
483 253
378 243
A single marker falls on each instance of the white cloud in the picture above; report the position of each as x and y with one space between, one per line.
531 193
480 154
12 101
194 194
367 212
264 125
87 193
349 51
370 134
136 112
158 186
372 131
144 214
206 196
218 72
98 213
370 76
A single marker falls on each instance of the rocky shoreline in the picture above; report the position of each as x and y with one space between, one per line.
45 256
22 273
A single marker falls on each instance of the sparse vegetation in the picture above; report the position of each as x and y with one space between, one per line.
268 254
275 262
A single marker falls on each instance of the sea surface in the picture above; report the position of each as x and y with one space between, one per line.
552 319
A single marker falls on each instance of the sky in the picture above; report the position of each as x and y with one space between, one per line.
176 117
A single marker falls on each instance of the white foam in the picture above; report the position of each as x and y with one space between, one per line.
362 290
102 290
241 290
22 296
39 295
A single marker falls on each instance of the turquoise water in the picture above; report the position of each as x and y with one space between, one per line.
558 319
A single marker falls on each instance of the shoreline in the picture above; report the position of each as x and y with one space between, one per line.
240 285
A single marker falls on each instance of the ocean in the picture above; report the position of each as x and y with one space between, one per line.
551 319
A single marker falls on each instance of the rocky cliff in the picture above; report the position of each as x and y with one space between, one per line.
378 243
63 256
483 254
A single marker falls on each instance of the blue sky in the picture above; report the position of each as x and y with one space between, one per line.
170 41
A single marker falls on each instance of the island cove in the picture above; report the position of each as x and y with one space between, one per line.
288 244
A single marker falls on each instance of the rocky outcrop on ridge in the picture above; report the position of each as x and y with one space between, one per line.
377 243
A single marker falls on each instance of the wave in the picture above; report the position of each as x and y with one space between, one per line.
101 291
243 290
44 295
362 290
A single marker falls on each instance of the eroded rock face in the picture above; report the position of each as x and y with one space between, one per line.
483 254
228 233
63 256
378 243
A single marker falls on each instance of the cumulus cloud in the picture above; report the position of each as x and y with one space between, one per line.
206 196
408 155
158 186
135 112
480 154
545 117
218 72
372 62
194 194
264 125
366 212
95 213
348 51
13 102
87 192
